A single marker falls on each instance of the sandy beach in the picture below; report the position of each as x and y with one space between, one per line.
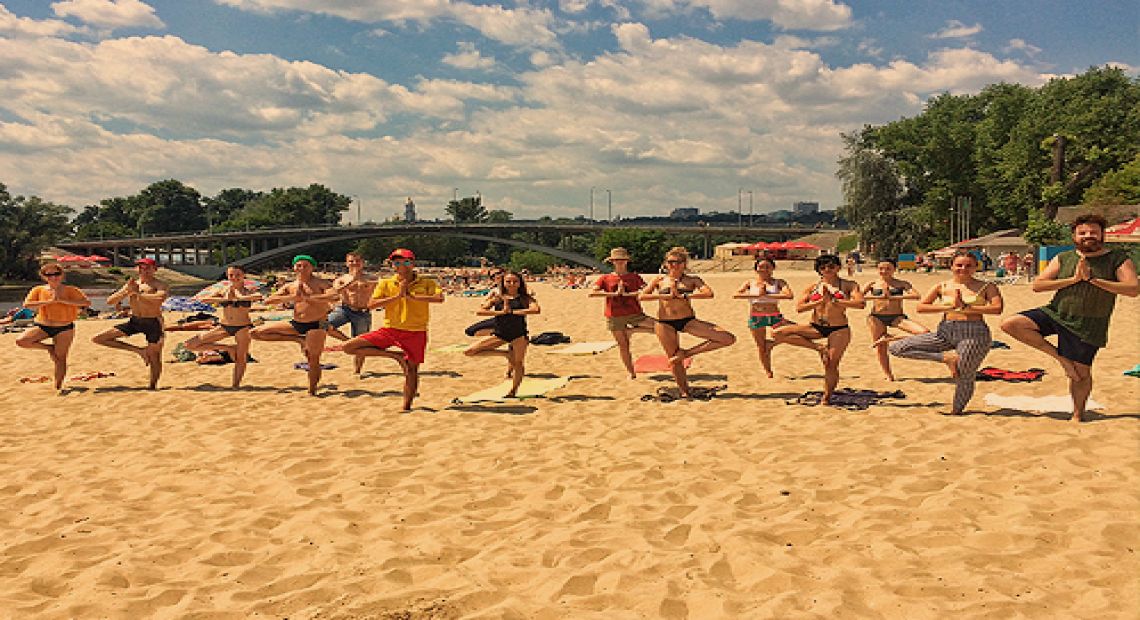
196 501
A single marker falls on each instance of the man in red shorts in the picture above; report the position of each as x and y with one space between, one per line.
404 297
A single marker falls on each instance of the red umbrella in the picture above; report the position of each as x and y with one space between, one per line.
759 245
778 245
1130 227
95 258
73 258
801 245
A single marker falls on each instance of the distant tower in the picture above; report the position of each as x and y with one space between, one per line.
409 210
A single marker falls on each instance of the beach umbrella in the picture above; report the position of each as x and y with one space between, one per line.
185 304
95 258
801 245
72 258
1131 227
759 245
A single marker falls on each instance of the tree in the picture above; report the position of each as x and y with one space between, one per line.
468 209
228 202
439 250
532 261
315 205
647 247
1121 186
27 226
498 216
110 218
872 200
169 206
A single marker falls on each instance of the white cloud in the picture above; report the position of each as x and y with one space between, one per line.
1020 45
13 26
523 26
468 57
659 121
110 14
955 29
573 6
787 14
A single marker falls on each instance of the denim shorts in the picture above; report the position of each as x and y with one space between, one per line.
361 320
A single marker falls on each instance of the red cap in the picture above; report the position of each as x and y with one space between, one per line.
402 253
147 261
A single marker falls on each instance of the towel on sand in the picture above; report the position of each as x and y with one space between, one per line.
847 398
656 363
992 373
531 387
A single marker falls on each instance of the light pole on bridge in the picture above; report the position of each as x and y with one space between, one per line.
749 208
610 206
592 188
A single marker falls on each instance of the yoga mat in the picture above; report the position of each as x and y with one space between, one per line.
530 388
656 363
585 348
1038 404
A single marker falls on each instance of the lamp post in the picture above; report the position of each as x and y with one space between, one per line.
609 206
740 206
592 188
750 208
455 194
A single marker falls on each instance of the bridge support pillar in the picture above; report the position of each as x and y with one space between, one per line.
225 253
114 256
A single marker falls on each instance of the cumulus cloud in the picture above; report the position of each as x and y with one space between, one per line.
15 26
787 14
1020 45
658 121
468 57
109 14
955 29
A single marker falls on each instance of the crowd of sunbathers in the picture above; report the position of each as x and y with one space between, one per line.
1086 282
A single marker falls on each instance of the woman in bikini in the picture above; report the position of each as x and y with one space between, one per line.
235 299
828 301
57 306
887 295
963 338
509 308
675 315
764 293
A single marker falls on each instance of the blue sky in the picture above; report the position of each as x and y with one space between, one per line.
666 103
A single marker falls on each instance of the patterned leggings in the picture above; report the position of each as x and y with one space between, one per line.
972 341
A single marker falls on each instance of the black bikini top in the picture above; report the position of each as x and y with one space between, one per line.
895 290
236 304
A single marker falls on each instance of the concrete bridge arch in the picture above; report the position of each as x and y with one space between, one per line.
297 248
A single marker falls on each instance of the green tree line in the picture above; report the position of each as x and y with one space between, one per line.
1017 153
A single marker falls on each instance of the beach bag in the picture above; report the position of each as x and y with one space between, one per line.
550 338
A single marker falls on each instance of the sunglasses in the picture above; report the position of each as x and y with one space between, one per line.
401 263
52 274
673 261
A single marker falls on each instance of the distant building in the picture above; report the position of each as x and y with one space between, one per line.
685 213
805 208
409 210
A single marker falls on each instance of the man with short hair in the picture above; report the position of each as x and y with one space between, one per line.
355 290
144 295
405 298
1087 281
311 298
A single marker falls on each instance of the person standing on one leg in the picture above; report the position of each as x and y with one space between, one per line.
509 309
624 315
829 299
405 298
1087 281
764 294
57 306
675 315
887 295
235 298
962 339
311 298
355 290
144 295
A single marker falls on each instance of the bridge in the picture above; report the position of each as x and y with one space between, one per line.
204 253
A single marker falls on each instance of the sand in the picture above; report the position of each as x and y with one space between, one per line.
199 502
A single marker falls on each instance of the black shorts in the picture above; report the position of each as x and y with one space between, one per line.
148 326
234 329
827 330
1069 345
304 327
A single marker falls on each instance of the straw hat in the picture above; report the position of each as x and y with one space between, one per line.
617 254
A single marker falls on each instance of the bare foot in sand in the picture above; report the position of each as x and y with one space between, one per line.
1076 417
950 358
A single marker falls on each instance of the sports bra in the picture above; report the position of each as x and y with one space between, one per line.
236 304
973 299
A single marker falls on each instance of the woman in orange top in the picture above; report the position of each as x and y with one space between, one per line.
56 305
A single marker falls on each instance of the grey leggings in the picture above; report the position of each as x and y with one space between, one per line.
972 341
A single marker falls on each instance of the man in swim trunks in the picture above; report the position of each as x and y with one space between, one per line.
404 297
312 297
355 290
1087 281
144 296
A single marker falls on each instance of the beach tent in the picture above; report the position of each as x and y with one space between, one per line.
1126 232
729 250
